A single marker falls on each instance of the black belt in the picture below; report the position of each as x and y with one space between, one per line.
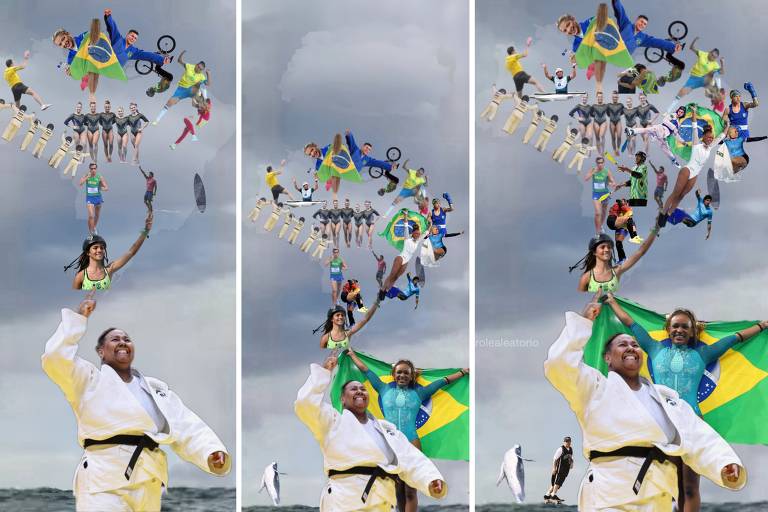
140 442
374 472
650 454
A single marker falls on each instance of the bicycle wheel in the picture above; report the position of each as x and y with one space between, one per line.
393 154
166 44
653 55
143 67
375 172
677 30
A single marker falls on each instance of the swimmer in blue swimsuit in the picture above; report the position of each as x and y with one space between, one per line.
679 362
401 402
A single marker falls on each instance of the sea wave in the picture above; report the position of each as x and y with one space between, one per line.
178 499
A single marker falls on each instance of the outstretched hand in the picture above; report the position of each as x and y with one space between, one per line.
330 363
730 473
217 462
88 304
436 488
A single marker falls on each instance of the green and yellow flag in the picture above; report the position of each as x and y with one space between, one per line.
606 45
96 58
705 117
733 394
339 165
443 421
400 228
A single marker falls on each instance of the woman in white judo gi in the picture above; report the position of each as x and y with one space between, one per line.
122 418
636 434
362 456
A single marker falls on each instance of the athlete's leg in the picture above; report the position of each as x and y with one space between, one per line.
97 212
678 191
93 84
599 75
188 128
738 163
105 143
600 135
91 216
691 488
35 96
398 269
538 87
136 143
334 292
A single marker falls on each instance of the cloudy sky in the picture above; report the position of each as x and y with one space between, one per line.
397 75
539 221
176 297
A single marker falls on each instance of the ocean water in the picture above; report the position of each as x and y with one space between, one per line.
178 499
711 507
300 508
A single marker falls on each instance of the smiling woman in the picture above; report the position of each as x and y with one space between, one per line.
123 417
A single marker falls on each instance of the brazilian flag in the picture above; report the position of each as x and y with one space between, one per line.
400 227
96 58
705 117
339 165
606 45
732 395
443 421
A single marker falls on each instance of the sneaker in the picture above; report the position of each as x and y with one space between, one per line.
547 497
363 309
382 295
151 92
154 123
45 106
193 138
636 240
172 146
554 497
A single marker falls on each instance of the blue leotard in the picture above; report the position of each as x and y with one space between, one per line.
401 406
681 367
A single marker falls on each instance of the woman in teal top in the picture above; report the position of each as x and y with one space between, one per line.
401 402
679 362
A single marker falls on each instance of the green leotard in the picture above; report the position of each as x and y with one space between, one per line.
101 284
333 344
608 286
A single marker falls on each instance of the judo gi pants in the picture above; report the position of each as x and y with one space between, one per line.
344 494
141 497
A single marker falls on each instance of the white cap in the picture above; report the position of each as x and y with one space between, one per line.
305 183
559 70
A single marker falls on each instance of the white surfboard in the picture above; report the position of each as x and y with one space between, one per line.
553 96
296 204
513 472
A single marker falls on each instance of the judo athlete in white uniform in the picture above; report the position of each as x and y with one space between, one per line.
362 456
636 434
122 418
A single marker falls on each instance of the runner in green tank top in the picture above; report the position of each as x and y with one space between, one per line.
94 271
335 335
602 179
637 182
336 265
94 186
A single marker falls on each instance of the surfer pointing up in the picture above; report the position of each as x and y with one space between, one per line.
364 457
561 464
122 419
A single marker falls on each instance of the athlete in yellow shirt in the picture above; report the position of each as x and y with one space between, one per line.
11 75
190 84
516 70
706 65
274 186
